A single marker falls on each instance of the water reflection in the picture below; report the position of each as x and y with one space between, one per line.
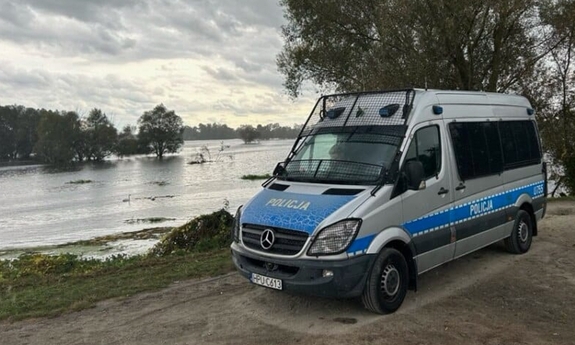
57 169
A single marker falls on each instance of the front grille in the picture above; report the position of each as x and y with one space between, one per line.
287 242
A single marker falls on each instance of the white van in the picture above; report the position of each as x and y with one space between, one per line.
380 187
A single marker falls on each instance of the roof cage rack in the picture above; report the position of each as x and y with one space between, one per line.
347 110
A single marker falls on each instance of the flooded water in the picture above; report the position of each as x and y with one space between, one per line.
39 206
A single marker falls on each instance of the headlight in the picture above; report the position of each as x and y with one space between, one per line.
335 238
236 228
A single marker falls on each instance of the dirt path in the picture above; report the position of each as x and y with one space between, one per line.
489 297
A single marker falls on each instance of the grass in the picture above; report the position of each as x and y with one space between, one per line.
256 177
40 285
36 285
80 182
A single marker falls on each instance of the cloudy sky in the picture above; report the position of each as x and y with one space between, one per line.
209 60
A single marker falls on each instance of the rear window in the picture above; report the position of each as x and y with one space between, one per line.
519 143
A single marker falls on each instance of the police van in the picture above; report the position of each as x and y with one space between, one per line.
380 187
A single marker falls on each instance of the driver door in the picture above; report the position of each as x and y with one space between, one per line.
426 211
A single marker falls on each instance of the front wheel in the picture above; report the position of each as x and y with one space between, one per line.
520 240
387 283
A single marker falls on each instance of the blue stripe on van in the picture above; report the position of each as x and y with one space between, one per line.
471 210
458 214
360 244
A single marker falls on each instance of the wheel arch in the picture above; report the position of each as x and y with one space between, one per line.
399 239
525 203
527 207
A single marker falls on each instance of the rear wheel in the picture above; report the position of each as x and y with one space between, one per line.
520 240
387 283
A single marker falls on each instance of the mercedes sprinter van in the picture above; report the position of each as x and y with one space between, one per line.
380 187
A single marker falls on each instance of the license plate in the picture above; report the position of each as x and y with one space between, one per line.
266 281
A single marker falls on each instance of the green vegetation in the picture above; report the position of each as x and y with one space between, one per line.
222 131
149 220
248 133
162 130
79 182
35 285
42 285
204 233
60 137
160 183
97 137
256 177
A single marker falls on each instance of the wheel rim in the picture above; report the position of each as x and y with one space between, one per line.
523 232
390 280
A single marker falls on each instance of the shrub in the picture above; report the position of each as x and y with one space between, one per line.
256 177
80 182
206 232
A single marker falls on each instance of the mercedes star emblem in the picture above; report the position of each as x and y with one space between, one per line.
267 239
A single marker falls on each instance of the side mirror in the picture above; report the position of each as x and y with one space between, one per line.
415 174
280 169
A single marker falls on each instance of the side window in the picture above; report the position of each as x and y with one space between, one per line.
491 131
477 149
519 143
425 147
534 149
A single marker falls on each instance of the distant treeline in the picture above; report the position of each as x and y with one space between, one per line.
59 137
245 132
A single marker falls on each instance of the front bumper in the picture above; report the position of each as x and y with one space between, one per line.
306 276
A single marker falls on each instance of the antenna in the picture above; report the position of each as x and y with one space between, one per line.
425 83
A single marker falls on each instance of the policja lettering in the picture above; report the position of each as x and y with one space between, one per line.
289 203
481 207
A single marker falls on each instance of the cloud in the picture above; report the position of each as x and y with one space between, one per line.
108 12
111 27
206 59
221 73
18 16
19 78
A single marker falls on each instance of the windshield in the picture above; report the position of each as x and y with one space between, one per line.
345 155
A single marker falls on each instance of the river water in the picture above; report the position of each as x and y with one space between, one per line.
39 206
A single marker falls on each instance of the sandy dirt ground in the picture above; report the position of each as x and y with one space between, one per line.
489 297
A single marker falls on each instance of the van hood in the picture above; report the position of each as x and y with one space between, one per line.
295 211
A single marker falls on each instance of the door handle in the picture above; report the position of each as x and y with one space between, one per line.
443 191
460 187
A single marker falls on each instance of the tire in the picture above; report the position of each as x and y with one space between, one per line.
387 282
520 240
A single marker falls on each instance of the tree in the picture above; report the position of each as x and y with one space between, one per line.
26 135
161 129
56 135
354 45
248 133
100 135
554 92
128 143
8 129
